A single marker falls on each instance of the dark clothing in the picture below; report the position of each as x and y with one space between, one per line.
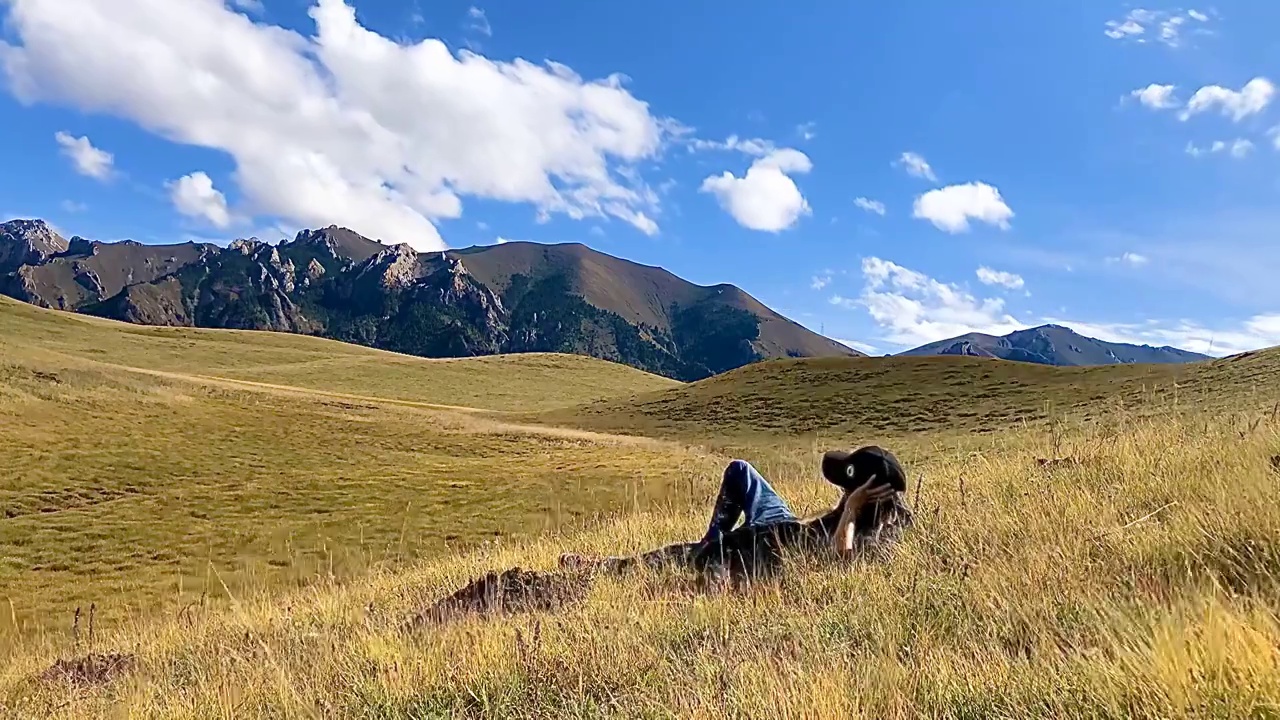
770 528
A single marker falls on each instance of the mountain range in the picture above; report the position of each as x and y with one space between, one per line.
1054 345
512 297
332 282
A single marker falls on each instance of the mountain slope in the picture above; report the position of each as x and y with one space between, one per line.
332 282
1054 345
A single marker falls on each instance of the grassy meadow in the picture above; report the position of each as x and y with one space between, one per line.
1141 580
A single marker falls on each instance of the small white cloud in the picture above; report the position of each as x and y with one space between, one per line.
1130 258
596 231
807 131
1238 148
72 206
871 206
1166 26
1251 99
916 166
988 276
194 196
87 159
821 280
482 225
766 198
479 21
755 147
1241 147
1156 97
950 208
253 6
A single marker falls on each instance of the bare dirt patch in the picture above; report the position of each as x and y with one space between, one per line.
511 591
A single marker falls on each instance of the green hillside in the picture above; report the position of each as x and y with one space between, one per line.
502 382
852 396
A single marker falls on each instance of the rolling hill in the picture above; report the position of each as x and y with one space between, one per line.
135 459
1054 345
332 282
902 395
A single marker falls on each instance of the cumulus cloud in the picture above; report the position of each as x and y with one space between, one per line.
821 280
1160 26
916 166
989 276
1251 99
85 158
952 207
1156 97
345 126
913 308
766 198
194 196
871 206
807 131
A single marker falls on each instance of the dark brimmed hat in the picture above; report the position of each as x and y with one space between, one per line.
851 469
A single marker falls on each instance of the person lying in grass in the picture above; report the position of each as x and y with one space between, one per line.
869 520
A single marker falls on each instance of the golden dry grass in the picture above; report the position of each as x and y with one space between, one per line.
1143 581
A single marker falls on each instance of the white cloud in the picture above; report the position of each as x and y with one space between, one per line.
748 146
766 198
821 280
1130 258
1238 148
253 6
950 208
871 206
346 126
1166 26
72 206
807 131
1253 333
479 21
87 159
1251 99
913 309
989 276
1241 147
916 166
194 196
1156 97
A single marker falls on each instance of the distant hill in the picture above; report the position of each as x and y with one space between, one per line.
1054 345
335 283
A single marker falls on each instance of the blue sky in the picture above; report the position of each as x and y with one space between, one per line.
887 173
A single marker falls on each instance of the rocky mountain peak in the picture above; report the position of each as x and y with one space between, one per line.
395 267
24 242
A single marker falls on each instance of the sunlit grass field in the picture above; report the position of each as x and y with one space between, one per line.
1141 580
